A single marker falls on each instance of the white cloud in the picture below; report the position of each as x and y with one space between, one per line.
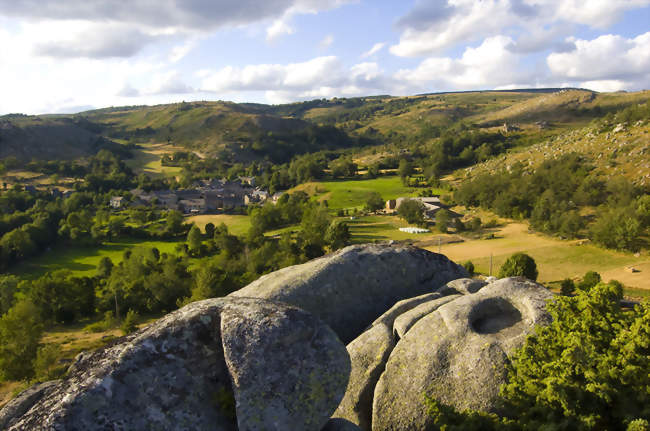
280 27
374 50
606 59
316 78
489 65
432 27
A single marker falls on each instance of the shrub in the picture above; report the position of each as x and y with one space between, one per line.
46 365
590 279
109 322
469 266
519 264
567 287
130 323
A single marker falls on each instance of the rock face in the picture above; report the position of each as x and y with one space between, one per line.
219 364
349 289
453 347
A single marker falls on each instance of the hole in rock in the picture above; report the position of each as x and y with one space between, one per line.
493 315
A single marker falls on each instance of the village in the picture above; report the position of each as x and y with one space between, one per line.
205 196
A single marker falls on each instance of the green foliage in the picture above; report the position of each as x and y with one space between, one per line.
519 264
551 198
107 323
590 279
443 218
315 222
60 297
194 240
20 332
104 267
337 234
567 287
412 211
446 418
46 365
374 202
8 289
343 167
130 322
587 370
146 282
469 266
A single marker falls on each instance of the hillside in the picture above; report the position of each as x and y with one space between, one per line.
623 151
49 137
246 132
240 132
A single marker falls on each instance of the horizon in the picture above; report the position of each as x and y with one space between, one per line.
73 56
514 90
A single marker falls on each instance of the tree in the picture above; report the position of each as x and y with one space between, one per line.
104 267
590 279
567 287
20 332
315 222
443 217
519 264
130 323
405 169
209 230
586 370
8 289
469 266
337 235
412 211
194 240
174 222
374 202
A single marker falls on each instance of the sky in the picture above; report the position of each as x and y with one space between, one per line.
65 56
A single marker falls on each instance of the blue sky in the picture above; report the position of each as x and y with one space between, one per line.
66 56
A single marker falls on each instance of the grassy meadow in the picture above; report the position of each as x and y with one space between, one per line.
351 194
82 261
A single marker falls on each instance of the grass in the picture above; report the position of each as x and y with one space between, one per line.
82 261
147 160
354 193
237 224
556 259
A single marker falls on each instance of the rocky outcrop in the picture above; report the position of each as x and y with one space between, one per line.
453 347
219 364
351 288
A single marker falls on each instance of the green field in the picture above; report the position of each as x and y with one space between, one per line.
237 224
83 261
353 193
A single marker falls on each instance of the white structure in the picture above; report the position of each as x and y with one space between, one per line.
413 230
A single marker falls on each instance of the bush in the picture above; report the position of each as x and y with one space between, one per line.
412 211
20 332
469 266
586 370
519 264
590 279
130 323
109 322
567 287
46 365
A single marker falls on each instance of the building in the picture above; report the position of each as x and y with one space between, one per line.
192 206
431 204
116 202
